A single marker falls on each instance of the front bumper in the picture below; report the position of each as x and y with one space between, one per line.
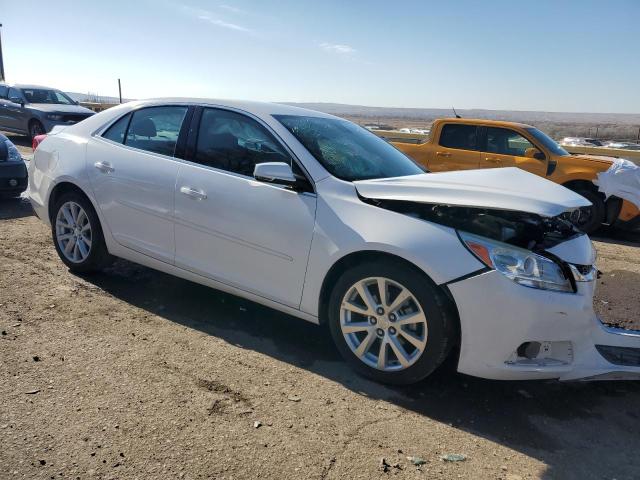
493 331
13 178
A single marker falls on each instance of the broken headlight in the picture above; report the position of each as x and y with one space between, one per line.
520 265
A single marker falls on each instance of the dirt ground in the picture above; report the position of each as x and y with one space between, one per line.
135 374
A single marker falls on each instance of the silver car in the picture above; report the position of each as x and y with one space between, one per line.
34 110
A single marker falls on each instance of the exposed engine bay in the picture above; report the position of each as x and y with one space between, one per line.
522 229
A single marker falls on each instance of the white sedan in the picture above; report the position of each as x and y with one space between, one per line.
319 218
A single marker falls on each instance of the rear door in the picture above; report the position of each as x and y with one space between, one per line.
133 172
457 148
233 228
506 148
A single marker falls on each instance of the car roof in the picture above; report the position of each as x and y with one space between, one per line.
259 109
27 85
481 121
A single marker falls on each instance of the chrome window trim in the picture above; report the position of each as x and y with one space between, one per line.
270 130
99 132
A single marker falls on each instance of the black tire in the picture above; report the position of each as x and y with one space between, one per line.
35 129
591 218
98 256
439 313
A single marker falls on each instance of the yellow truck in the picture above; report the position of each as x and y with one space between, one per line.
461 143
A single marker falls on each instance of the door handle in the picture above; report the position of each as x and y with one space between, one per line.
443 154
493 160
190 192
104 167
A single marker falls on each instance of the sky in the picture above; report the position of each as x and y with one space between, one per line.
549 55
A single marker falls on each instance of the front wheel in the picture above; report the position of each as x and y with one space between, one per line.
77 234
35 129
591 218
390 322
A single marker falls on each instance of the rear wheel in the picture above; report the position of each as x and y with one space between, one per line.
591 218
77 234
390 322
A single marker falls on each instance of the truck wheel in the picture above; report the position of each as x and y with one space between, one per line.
390 322
591 218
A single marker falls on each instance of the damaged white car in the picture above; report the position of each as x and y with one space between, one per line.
319 218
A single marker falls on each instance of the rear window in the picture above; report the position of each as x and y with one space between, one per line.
117 131
462 137
156 129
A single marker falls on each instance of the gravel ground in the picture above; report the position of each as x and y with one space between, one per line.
135 374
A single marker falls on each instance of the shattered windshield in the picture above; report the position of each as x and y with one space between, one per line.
348 151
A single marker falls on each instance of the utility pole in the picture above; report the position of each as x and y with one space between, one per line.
1 58
120 90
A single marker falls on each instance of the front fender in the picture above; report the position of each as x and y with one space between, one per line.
346 225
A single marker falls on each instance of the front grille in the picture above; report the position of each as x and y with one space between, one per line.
74 118
623 356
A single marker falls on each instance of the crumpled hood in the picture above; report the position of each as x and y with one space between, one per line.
499 188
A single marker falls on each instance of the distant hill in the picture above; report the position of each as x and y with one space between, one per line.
509 115
557 124
92 97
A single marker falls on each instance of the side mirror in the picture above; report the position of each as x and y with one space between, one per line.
275 172
534 153
17 100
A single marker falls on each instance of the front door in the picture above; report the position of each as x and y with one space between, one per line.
506 148
14 114
457 148
133 174
232 228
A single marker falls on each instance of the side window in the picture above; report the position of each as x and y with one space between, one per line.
156 129
234 142
15 93
506 142
3 92
117 131
463 137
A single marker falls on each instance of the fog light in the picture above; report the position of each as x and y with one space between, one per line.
529 350
13 182
542 354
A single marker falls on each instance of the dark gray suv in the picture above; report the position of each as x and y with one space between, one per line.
33 110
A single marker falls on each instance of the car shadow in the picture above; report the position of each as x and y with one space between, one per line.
15 208
554 422
17 139
617 236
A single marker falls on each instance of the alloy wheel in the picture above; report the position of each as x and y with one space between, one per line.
73 232
383 324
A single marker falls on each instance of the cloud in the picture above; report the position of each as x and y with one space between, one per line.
337 48
213 19
221 23
232 9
